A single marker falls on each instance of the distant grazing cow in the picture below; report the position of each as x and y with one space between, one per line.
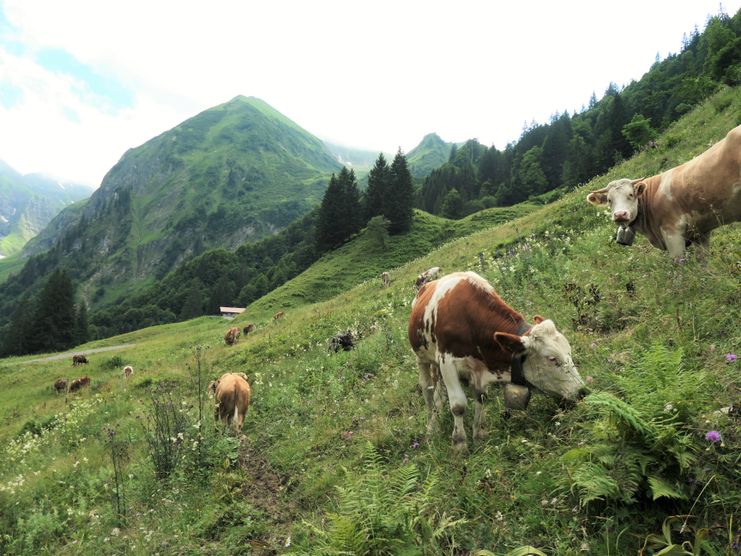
386 279
128 370
60 385
279 315
233 396
249 328
460 328
682 205
426 276
230 338
79 360
341 341
78 383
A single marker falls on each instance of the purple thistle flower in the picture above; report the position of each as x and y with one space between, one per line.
731 357
712 436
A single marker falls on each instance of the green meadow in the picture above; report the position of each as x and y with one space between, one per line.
334 459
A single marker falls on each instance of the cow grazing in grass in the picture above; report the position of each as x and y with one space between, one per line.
460 328
385 279
79 383
279 315
79 359
249 328
128 370
427 276
233 396
230 338
60 385
341 341
682 205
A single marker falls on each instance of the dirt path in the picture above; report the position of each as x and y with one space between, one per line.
69 354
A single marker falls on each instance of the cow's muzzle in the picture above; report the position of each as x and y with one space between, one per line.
625 235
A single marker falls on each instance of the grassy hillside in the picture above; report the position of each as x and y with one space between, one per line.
334 459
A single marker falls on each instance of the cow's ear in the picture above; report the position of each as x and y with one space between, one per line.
537 319
598 197
510 342
639 188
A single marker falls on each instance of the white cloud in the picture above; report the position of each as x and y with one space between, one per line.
371 74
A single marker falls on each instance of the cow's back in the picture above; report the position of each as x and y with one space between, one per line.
707 188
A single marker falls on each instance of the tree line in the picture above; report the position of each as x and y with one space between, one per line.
572 149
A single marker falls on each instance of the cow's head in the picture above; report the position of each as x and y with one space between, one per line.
212 387
621 197
548 365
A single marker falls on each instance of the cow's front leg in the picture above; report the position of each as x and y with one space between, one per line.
675 243
457 401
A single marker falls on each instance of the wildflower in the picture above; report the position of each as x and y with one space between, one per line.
498 516
415 444
115 532
731 357
712 436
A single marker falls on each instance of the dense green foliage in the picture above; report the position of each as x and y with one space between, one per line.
50 323
340 213
573 149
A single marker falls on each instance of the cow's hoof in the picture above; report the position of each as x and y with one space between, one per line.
460 445
480 435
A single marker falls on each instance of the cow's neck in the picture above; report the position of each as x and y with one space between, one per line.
642 222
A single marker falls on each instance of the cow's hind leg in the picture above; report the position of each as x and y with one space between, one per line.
428 386
456 400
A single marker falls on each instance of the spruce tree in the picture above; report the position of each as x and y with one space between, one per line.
340 214
398 209
378 185
82 325
54 315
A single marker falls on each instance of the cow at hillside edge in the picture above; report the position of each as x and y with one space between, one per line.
460 328
233 396
249 328
79 360
682 205
385 279
231 336
128 370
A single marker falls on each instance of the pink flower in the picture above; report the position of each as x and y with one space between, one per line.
712 436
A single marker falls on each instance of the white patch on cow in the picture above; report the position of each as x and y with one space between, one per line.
548 365
665 186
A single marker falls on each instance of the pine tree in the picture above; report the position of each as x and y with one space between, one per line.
18 332
82 325
340 214
54 315
399 206
378 185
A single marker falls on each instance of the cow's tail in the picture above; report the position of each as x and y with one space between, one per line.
235 398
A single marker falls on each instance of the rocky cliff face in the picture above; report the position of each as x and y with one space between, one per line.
237 172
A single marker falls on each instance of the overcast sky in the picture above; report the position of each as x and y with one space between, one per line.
83 81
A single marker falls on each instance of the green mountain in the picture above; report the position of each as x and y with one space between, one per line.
232 174
430 154
28 203
335 458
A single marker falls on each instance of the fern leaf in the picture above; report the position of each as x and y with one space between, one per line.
662 489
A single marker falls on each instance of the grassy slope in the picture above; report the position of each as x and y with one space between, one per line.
313 413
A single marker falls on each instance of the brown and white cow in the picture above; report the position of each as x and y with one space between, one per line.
79 359
460 328
79 383
682 205
279 315
60 385
426 276
233 396
231 336
249 328
128 370
385 279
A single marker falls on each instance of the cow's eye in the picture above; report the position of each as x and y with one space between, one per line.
553 361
